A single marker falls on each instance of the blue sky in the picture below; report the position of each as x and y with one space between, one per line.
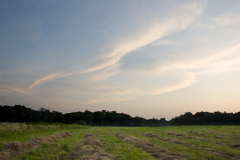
144 58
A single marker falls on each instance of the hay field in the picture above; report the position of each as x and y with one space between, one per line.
124 143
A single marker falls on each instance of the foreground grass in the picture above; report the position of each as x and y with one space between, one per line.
119 148
188 152
122 150
58 148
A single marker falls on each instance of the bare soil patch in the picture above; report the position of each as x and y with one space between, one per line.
151 135
92 149
153 149
12 149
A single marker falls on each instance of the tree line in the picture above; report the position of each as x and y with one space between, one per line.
206 118
20 113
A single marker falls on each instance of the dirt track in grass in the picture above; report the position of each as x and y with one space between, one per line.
12 149
151 135
92 149
151 148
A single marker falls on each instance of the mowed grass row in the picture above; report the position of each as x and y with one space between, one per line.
230 139
60 148
114 145
122 150
231 133
162 132
188 152
52 150
21 133
218 147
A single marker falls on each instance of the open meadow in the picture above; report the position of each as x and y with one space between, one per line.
53 141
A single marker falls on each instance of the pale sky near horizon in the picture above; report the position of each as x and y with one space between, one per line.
147 58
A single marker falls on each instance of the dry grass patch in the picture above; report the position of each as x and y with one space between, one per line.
92 149
197 133
171 133
175 141
153 149
12 149
220 134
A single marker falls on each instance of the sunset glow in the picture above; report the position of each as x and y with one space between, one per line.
144 58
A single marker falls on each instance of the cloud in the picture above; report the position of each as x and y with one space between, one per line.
218 61
163 42
187 13
106 90
227 19
110 100
188 81
8 87
109 94
109 64
105 73
44 79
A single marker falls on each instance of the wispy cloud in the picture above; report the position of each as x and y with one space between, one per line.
164 42
8 87
217 61
227 19
44 79
105 73
110 100
188 81
187 14
106 90
157 31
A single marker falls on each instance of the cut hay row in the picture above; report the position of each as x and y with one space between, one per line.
202 139
197 133
205 135
153 149
219 134
13 149
175 141
151 135
93 149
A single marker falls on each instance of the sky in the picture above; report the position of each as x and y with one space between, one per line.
153 59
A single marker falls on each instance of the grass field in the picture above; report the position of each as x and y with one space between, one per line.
123 143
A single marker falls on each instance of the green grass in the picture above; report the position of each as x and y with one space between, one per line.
7 129
119 148
116 146
57 148
188 152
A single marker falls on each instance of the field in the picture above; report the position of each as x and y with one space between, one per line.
122 143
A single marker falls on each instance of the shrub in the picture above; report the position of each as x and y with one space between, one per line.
81 122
